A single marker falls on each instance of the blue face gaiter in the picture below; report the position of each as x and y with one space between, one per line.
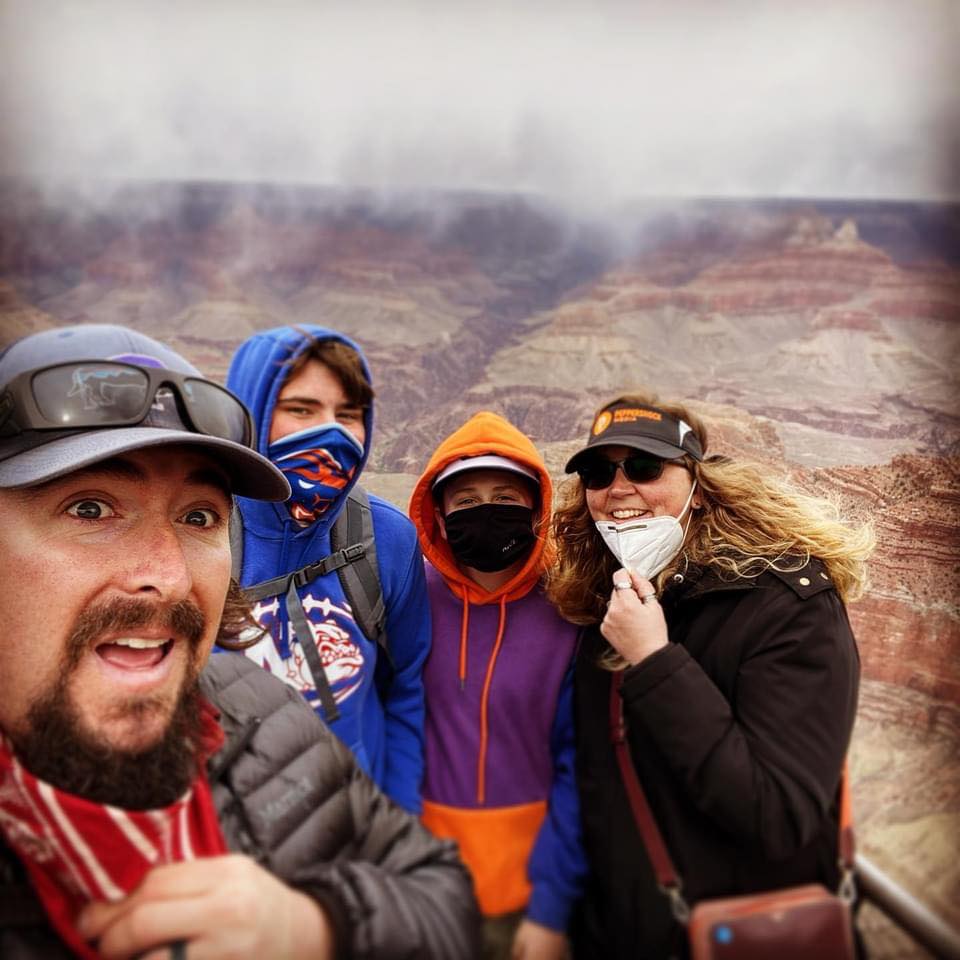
319 462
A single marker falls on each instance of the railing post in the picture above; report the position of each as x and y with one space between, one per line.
906 911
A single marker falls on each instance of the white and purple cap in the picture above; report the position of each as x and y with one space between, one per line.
37 456
488 461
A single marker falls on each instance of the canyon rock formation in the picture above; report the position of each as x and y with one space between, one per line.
821 339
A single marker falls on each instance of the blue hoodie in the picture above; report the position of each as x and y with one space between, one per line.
386 737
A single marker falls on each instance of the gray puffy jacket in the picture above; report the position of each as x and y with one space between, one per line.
290 795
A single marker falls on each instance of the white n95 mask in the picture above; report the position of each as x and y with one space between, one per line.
645 545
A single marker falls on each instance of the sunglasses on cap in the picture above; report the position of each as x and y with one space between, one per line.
93 394
597 473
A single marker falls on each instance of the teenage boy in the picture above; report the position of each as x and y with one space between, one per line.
309 391
499 773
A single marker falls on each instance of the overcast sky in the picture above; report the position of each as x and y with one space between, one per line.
593 101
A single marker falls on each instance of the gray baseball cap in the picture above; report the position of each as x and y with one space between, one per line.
31 456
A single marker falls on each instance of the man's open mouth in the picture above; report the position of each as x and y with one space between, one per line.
134 653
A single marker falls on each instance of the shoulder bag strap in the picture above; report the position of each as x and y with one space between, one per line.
846 847
663 868
666 873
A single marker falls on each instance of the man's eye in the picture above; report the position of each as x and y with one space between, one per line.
201 518
350 416
90 509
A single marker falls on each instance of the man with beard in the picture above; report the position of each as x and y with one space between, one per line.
152 803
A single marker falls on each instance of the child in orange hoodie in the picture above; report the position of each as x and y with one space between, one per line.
499 775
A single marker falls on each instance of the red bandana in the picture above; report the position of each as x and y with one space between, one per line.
76 851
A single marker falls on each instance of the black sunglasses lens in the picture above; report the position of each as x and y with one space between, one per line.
104 394
216 412
88 395
597 474
642 469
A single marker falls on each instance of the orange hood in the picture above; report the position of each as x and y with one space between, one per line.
484 432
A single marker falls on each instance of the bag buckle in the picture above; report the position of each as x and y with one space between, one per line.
847 891
354 552
302 577
678 906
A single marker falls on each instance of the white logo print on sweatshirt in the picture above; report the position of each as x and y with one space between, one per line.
340 655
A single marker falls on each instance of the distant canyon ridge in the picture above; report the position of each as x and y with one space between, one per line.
820 338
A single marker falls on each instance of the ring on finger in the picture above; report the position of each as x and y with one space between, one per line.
648 598
622 585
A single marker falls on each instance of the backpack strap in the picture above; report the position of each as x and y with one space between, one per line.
287 585
354 558
298 618
235 527
360 576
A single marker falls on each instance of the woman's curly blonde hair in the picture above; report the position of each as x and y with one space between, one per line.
748 522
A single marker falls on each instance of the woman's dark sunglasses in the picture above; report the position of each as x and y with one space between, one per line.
597 473
88 395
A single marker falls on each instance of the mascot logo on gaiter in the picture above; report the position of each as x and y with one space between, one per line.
316 478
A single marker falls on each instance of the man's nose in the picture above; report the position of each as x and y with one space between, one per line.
160 566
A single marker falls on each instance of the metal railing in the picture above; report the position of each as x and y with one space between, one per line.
906 911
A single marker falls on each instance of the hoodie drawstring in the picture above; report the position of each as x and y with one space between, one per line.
464 621
482 758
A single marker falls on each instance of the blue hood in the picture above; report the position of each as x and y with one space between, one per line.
257 372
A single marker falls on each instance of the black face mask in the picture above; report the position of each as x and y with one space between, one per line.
490 537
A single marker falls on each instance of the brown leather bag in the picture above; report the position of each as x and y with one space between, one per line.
794 923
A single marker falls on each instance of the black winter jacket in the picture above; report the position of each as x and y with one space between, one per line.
738 730
290 795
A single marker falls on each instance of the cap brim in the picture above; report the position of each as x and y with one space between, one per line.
484 462
659 448
250 474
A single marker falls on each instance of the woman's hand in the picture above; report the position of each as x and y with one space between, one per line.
634 625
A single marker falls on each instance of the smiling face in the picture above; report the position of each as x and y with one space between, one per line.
114 579
315 395
623 501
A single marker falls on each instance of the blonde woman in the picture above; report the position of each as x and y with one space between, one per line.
715 596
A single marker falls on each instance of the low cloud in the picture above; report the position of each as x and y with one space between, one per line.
588 102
